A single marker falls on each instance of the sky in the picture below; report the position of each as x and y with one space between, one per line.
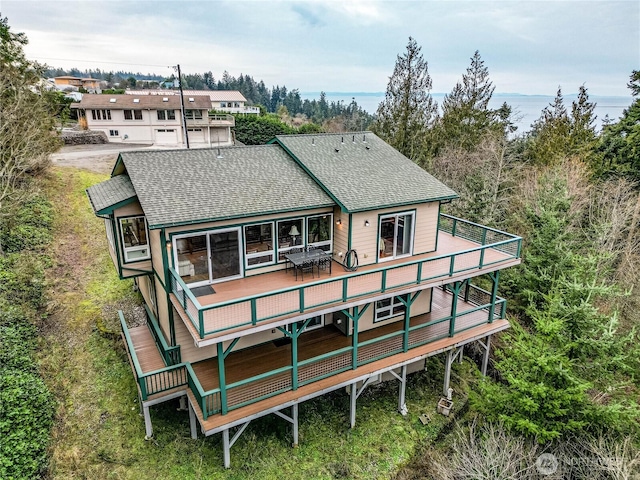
342 45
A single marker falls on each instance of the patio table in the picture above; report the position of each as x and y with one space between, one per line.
313 256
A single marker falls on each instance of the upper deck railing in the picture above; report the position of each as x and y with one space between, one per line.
253 309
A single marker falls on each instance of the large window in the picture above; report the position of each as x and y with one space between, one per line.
193 114
290 235
101 114
319 231
132 114
396 236
258 244
208 257
166 114
390 308
134 239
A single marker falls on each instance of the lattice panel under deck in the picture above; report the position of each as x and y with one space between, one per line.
402 275
220 318
323 293
379 349
259 388
278 304
429 333
466 260
433 268
362 284
323 367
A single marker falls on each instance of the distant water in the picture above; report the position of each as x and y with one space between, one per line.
528 107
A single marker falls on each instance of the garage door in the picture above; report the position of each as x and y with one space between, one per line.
196 135
166 136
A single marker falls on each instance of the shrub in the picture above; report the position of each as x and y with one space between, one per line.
26 415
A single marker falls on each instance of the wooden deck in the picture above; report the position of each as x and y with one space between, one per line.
146 349
268 357
331 293
216 423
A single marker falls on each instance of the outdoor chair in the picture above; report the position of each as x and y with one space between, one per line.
325 262
305 267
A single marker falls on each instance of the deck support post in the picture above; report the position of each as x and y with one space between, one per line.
192 423
461 355
352 416
147 422
451 356
293 420
485 357
355 393
228 443
455 290
402 405
226 448
294 415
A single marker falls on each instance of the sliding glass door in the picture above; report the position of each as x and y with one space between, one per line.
396 236
209 257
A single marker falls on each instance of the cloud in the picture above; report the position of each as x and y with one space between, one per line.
311 18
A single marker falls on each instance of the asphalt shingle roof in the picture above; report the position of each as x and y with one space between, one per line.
177 187
153 102
111 192
362 172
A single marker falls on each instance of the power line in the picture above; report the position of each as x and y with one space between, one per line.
110 63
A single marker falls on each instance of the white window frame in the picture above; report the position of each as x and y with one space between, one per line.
114 133
324 242
385 313
284 250
264 253
137 248
395 256
309 327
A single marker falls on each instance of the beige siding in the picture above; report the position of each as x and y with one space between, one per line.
143 286
426 228
340 234
188 351
163 311
364 240
156 252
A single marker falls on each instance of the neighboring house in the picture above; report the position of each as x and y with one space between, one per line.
241 326
156 119
92 85
228 101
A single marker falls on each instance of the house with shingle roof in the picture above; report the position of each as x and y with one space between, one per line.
157 119
274 274
227 101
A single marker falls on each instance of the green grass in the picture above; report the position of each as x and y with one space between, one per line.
100 434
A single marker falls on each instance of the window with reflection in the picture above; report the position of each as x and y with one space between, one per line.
258 241
135 246
390 308
319 232
290 235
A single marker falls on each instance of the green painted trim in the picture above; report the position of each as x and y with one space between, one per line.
123 203
454 306
120 239
294 356
230 347
222 380
414 212
404 204
237 217
495 277
350 232
438 225
354 341
166 285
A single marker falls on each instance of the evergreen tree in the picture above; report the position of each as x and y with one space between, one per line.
619 143
408 110
466 116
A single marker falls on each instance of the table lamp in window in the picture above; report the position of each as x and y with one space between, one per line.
293 233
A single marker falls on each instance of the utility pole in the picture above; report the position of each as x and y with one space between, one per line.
184 118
